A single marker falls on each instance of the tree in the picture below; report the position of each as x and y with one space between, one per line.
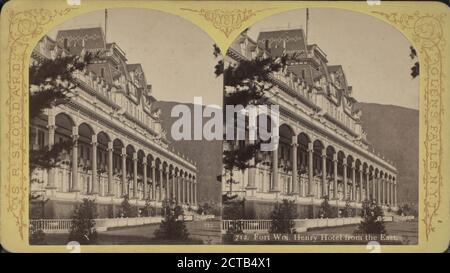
148 209
415 67
171 227
408 209
82 228
326 211
283 216
372 219
36 235
52 83
347 211
245 83
233 209
128 210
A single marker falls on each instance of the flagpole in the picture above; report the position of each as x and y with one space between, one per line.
307 23
106 22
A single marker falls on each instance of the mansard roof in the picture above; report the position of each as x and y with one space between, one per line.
94 39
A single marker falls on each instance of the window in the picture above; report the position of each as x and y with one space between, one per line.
102 72
303 73
66 43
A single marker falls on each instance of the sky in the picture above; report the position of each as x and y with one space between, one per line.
177 56
373 54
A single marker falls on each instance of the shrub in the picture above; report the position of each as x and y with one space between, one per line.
372 219
82 228
283 217
172 226
326 211
127 210
36 235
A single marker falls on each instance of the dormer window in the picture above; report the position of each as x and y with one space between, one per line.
66 43
242 48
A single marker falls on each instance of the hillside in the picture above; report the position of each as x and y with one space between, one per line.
207 155
394 132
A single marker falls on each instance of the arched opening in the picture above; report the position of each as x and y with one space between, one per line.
118 148
102 162
285 158
341 159
158 179
129 172
85 149
330 154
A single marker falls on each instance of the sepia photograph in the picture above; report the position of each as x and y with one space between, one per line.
222 134
344 169
103 166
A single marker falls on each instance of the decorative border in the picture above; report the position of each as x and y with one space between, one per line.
23 27
226 20
426 31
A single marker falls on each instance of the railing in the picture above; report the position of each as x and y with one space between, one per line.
204 217
399 218
247 225
63 225
299 224
52 225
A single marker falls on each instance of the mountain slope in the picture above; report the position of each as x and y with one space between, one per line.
394 132
207 155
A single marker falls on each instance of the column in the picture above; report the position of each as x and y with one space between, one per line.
153 181
166 192
361 183
110 169
390 191
335 183
353 196
75 187
275 171
383 191
345 180
195 191
135 162
173 186
144 178
367 184
124 171
95 181
160 183
374 182
379 190
186 185
251 176
324 172
191 192
310 170
294 165
51 141
178 187
182 195
395 193
189 189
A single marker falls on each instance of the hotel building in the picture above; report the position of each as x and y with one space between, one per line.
323 149
119 145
